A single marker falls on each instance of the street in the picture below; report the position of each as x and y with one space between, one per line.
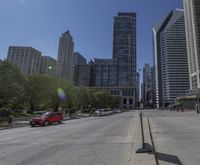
88 141
104 140
176 136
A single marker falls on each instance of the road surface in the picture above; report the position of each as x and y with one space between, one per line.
176 136
90 141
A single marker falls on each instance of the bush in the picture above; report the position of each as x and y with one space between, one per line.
5 112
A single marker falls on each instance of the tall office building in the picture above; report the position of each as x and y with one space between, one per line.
147 84
78 59
124 51
26 58
170 58
65 56
137 89
48 66
192 24
124 48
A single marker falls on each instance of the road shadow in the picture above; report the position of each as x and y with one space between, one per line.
168 158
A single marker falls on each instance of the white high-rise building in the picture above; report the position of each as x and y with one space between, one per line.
192 24
170 58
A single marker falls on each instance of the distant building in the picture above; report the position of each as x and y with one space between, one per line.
124 48
192 24
80 67
27 59
170 58
105 71
65 56
116 75
142 92
48 66
147 85
78 59
83 75
138 89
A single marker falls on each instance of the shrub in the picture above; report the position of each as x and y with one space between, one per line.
5 112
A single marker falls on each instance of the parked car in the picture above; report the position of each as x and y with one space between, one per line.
103 112
47 118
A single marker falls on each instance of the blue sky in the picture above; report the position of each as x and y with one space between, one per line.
40 23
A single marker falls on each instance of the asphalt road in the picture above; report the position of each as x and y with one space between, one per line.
176 136
89 141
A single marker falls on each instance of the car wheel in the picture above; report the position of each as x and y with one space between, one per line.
32 125
46 123
60 121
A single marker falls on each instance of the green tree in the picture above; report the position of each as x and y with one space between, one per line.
102 99
11 85
36 91
114 102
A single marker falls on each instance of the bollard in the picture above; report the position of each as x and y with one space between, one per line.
142 129
144 147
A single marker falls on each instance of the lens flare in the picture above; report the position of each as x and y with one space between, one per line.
61 94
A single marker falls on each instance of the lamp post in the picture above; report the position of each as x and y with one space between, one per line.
197 100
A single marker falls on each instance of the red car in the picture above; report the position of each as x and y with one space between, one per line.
47 118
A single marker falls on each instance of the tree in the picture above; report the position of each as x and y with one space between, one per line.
102 99
11 85
36 92
115 102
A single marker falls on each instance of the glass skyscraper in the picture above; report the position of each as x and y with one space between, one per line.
124 48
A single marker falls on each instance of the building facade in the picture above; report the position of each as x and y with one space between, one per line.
78 59
83 75
105 72
124 48
192 24
27 59
48 66
65 56
170 58
147 85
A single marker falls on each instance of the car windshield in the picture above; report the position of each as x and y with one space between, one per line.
45 114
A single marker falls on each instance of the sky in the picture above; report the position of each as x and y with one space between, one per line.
40 23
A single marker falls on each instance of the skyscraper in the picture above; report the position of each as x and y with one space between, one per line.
65 56
147 84
26 58
170 58
124 48
192 24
